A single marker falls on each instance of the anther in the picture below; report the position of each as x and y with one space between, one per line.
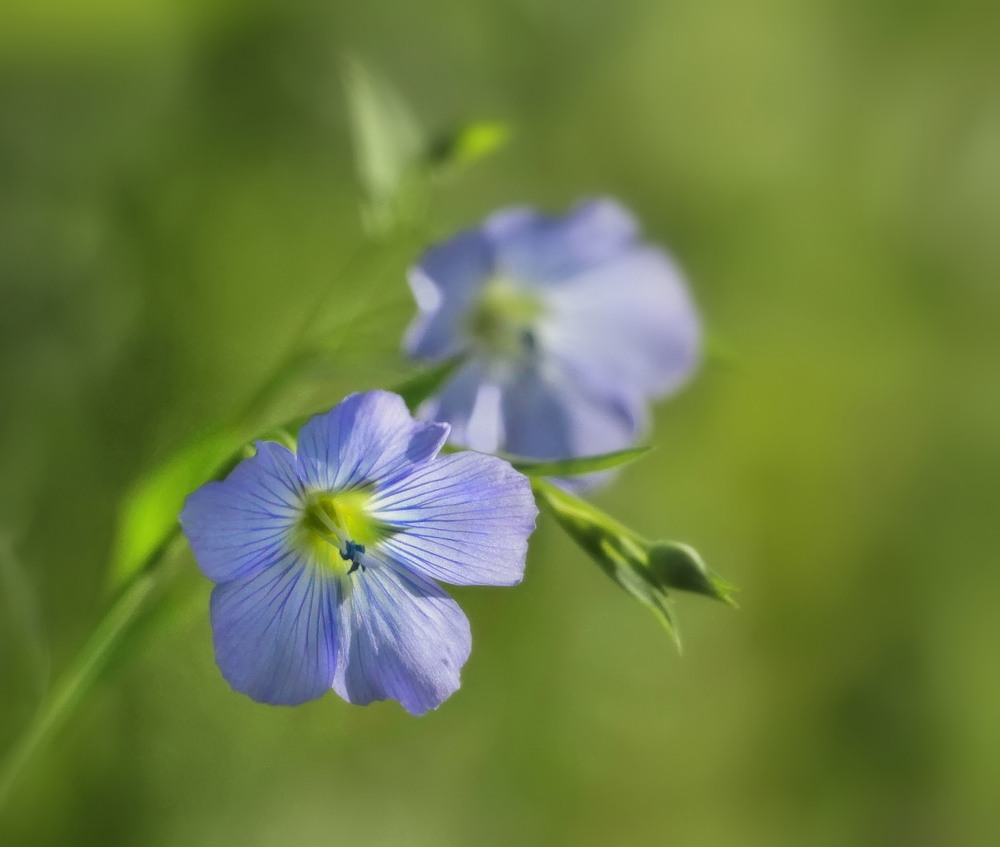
529 341
352 553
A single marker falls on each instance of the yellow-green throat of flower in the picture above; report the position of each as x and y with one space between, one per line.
504 319
337 529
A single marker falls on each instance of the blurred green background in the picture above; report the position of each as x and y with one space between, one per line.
176 188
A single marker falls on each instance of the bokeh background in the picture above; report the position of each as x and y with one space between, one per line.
176 188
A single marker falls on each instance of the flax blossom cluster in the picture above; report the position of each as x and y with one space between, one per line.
566 328
325 560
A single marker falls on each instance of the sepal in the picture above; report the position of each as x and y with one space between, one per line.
648 570
575 467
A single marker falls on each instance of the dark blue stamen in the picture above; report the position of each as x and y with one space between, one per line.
529 341
352 553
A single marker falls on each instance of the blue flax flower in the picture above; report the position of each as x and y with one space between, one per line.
567 326
325 560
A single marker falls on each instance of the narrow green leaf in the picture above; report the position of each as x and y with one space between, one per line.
417 388
646 570
388 141
149 511
616 549
66 693
576 467
23 628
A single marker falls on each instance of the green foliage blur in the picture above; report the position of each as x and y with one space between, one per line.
176 192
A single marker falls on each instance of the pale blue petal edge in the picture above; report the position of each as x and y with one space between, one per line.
445 282
366 438
460 402
239 525
276 633
629 322
463 519
535 248
401 638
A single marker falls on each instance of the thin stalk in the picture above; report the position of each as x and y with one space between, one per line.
79 676
145 586
369 256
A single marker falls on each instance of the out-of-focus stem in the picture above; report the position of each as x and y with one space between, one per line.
78 677
145 586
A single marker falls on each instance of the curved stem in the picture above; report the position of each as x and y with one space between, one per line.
143 588
367 255
78 677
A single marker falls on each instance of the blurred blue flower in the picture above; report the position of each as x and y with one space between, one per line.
567 327
325 561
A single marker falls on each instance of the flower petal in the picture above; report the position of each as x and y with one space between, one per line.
630 321
469 403
463 519
276 633
556 416
239 525
445 282
401 638
536 248
366 437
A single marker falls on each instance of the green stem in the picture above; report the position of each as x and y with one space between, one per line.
144 587
55 710
366 262
287 363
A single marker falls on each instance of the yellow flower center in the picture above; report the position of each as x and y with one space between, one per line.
337 528
504 318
